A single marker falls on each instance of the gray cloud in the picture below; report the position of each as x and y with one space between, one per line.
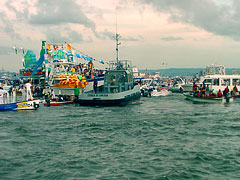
138 38
57 12
4 50
107 34
220 19
110 35
55 35
60 35
8 27
170 38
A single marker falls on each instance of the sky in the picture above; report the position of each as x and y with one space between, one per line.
155 34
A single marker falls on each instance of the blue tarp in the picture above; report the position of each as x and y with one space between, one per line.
39 63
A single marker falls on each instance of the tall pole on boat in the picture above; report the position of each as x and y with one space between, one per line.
117 43
46 62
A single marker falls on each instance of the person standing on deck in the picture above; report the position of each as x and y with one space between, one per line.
95 83
1 95
226 91
23 91
53 97
29 91
5 96
235 90
14 92
76 92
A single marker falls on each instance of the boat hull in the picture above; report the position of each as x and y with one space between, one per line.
8 107
109 99
208 100
59 103
24 105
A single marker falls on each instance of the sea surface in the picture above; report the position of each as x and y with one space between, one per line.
161 138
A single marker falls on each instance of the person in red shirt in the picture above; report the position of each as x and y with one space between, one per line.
219 94
195 87
225 92
198 94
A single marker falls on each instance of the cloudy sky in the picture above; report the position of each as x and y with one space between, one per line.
179 33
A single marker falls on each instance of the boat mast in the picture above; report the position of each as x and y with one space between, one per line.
117 43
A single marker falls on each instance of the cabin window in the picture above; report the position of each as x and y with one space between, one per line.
216 82
207 81
236 82
225 82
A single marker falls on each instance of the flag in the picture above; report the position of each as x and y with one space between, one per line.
48 46
55 47
43 44
69 47
78 55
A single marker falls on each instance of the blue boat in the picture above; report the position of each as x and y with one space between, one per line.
8 107
24 105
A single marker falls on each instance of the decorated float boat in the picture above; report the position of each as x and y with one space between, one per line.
56 66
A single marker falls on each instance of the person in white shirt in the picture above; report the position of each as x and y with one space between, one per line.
29 91
53 95
23 91
1 95
14 92
5 96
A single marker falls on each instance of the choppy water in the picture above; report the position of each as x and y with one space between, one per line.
162 138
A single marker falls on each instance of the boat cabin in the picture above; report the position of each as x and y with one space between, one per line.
217 82
118 78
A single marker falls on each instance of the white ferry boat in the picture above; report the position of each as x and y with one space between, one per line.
215 77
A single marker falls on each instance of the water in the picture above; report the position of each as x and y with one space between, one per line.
162 138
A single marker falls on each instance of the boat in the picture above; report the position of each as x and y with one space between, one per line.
163 92
208 99
56 103
215 77
24 105
177 84
118 89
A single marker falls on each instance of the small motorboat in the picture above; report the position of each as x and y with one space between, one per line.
163 92
23 105
208 99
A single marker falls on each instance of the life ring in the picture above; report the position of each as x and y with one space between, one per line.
36 106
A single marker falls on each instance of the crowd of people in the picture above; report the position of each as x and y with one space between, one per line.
85 69
27 91
205 91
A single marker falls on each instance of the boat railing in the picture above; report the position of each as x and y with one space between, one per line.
120 65
113 88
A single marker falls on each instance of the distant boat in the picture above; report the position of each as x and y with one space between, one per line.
163 92
178 83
